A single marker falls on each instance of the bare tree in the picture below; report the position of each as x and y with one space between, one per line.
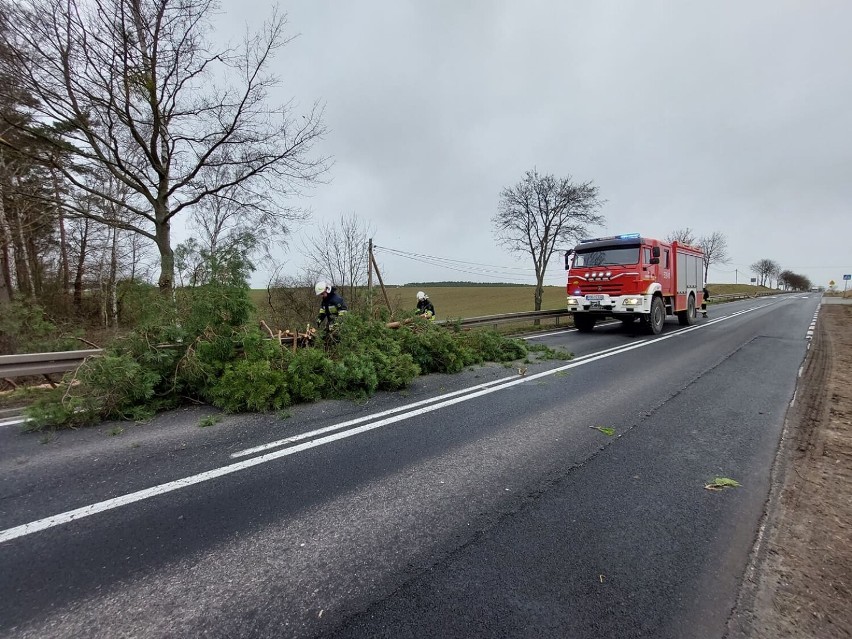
683 236
339 252
542 212
764 269
138 91
793 281
715 247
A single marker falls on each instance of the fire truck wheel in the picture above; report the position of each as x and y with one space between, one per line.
584 323
657 316
687 317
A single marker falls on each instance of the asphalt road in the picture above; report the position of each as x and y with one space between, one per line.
485 504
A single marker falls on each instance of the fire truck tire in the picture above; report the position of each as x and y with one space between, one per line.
687 317
657 316
584 323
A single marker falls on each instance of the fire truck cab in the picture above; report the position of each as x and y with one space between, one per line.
631 277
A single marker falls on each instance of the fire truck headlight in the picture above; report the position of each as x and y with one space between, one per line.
631 301
572 301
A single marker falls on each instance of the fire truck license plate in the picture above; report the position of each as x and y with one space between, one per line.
594 297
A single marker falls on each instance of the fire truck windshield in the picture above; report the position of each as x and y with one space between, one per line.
622 255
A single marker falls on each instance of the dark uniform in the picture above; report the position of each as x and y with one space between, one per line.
704 297
425 308
331 306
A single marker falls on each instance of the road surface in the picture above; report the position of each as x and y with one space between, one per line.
490 503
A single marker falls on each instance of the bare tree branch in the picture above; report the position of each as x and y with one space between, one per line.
140 93
542 212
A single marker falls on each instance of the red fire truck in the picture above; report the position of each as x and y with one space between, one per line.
629 277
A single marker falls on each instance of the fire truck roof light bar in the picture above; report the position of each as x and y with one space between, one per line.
625 236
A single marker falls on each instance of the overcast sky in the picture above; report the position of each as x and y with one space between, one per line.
719 116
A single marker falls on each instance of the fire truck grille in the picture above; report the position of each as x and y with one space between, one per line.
611 288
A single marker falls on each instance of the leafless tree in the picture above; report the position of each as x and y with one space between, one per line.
715 247
339 253
135 88
793 281
541 213
683 236
765 269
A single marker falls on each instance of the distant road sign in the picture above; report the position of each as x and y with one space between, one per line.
847 277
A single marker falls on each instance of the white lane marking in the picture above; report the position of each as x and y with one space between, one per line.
359 420
812 327
563 331
327 429
124 500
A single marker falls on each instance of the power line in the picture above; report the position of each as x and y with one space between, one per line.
447 259
464 266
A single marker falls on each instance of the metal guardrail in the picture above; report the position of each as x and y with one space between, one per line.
27 364
486 320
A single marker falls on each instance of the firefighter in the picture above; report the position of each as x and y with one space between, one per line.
331 305
704 297
424 306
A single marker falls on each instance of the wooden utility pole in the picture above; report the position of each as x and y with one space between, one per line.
379 275
370 277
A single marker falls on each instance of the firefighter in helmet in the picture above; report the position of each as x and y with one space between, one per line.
424 306
331 304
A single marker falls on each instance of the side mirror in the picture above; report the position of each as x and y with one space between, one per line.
568 255
655 252
655 260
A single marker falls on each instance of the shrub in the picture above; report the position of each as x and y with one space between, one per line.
433 348
490 346
111 385
250 386
24 328
310 375
203 347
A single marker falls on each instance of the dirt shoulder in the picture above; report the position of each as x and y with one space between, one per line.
800 582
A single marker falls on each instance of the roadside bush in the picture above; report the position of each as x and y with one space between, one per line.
136 301
373 352
204 348
310 375
106 387
433 348
112 385
490 346
24 328
250 386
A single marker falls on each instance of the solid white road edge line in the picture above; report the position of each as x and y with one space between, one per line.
117 502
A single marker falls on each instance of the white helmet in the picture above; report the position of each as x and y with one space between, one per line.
322 287
421 295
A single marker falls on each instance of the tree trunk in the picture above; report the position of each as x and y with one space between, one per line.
539 295
22 262
6 284
112 296
81 263
167 255
65 268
